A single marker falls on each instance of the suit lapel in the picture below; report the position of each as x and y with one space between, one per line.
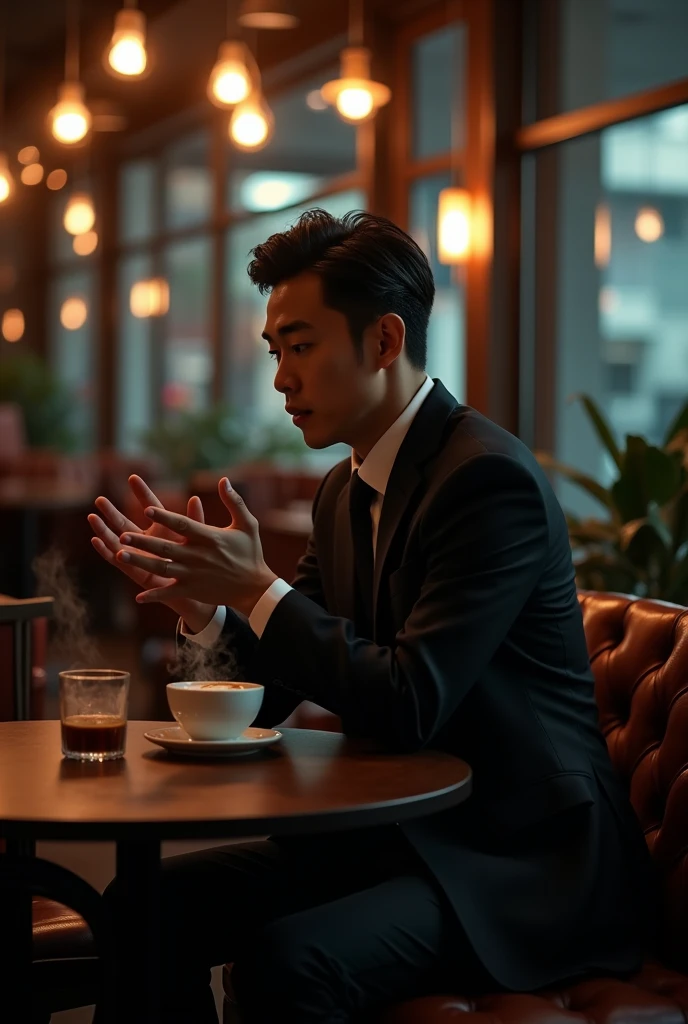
424 437
343 557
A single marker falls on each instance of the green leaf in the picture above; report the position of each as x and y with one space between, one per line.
602 428
680 422
587 483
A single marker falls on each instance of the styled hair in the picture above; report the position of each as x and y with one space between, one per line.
367 265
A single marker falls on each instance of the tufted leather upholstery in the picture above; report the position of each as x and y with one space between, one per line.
639 655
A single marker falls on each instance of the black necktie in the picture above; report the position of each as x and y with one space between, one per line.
360 498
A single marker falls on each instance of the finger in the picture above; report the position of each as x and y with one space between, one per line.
142 492
194 509
176 522
167 549
163 594
103 531
115 518
241 517
156 566
143 579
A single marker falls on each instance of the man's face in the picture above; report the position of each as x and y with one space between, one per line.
328 388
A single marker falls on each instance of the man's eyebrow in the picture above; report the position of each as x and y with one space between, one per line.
289 328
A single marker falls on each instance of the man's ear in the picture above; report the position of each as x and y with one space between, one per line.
391 334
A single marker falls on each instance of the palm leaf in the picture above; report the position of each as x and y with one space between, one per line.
587 483
602 428
680 422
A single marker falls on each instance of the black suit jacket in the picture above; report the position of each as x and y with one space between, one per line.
478 649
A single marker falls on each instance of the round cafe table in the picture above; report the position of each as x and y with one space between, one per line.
308 782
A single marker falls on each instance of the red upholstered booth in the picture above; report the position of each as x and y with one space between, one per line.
639 654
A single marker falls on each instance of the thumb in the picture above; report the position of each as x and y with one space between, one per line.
241 517
194 509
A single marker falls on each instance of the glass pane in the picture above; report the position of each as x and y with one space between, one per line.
446 331
438 69
311 145
621 300
251 372
610 48
137 200
134 353
73 348
188 181
187 360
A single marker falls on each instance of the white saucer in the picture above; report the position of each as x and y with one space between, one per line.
174 739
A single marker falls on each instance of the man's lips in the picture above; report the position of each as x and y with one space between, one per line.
298 415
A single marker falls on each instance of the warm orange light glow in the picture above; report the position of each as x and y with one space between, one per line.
57 179
270 14
13 325
85 244
453 225
355 95
79 216
70 118
230 80
649 224
150 298
603 235
32 174
127 52
74 313
252 124
6 180
28 155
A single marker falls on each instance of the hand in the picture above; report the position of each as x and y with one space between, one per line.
196 614
220 565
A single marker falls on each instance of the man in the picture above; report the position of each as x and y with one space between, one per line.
435 607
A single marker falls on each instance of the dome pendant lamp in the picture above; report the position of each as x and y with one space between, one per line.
355 95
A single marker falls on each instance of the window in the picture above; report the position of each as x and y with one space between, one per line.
137 201
135 389
438 62
607 49
72 318
187 181
621 303
187 364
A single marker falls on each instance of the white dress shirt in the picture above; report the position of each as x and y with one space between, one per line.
375 470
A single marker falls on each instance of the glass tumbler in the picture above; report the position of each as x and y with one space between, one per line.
93 713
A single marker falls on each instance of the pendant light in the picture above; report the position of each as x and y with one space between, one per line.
6 179
453 225
355 95
234 73
267 14
79 216
252 123
70 118
126 55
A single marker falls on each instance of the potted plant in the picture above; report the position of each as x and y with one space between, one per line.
46 404
639 544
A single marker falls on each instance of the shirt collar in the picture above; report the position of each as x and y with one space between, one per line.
376 468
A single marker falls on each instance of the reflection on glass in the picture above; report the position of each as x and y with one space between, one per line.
310 146
611 48
438 70
73 350
187 362
188 181
134 349
446 345
623 325
251 371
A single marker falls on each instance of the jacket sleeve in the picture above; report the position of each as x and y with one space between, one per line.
483 543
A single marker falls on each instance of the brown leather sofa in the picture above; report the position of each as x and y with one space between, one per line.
639 654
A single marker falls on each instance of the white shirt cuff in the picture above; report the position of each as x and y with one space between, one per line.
265 606
210 635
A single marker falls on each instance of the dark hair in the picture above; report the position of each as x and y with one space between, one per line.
368 267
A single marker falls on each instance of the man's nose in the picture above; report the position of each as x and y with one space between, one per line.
284 380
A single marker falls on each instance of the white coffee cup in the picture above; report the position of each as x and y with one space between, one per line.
214 710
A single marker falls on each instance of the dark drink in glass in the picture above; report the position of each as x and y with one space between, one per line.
93 713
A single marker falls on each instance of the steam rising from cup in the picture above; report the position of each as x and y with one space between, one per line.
70 640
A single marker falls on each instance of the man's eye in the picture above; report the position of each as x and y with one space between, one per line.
300 348
273 353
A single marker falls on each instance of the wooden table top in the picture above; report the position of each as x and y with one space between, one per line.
308 782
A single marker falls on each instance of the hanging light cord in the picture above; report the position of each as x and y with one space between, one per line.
231 28
356 23
72 46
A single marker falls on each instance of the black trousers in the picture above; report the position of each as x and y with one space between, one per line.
319 929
